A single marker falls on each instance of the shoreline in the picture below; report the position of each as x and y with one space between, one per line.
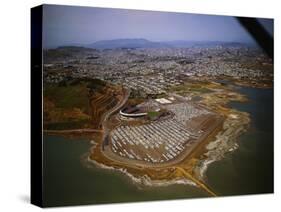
211 150
143 180
224 141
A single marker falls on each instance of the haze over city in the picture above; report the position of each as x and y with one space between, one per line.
67 25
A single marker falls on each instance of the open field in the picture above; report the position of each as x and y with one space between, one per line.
66 107
77 104
189 87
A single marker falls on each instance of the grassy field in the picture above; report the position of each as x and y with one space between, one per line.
189 87
153 114
77 104
69 96
66 107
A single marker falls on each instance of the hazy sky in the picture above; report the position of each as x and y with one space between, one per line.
65 25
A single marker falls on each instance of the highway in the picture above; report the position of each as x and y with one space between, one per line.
199 183
109 113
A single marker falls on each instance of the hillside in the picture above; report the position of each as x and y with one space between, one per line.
133 43
77 104
126 43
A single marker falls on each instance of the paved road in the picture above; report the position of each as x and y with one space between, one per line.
199 183
110 112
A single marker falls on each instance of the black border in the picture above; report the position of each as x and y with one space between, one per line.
36 106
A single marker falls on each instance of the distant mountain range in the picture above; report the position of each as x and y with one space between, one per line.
144 43
127 43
